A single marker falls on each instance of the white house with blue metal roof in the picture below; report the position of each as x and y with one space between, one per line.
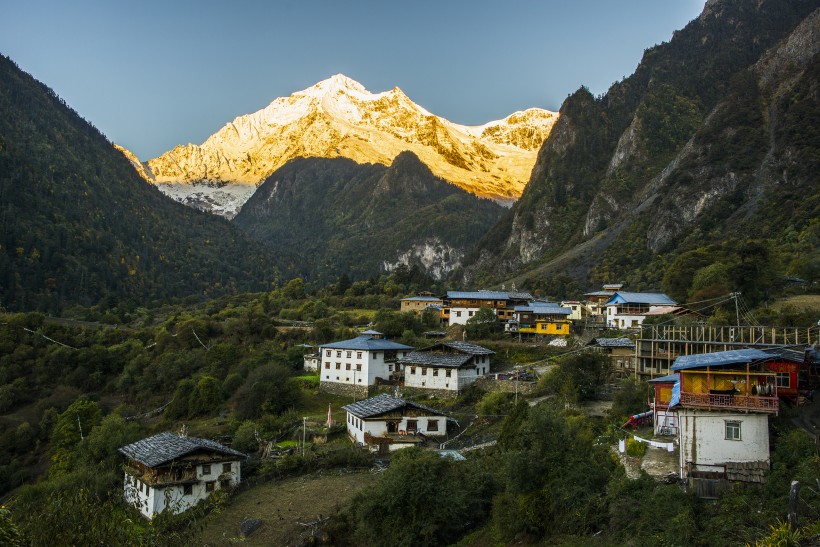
350 366
626 310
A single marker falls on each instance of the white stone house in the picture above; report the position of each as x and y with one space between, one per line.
723 402
360 362
446 366
625 310
386 423
172 472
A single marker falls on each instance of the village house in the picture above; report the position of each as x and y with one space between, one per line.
578 310
173 472
723 402
626 310
621 352
421 303
446 367
596 300
385 423
460 306
350 367
539 318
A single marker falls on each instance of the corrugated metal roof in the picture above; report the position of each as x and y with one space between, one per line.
423 298
544 308
366 343
668 379
489 295
599 293
720 359
613 342
657 298
382 404
165 447
466 347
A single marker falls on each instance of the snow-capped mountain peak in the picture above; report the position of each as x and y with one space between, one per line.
340 117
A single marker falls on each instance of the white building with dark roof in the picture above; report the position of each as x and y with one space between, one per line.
387 423
350 366
172 472
446 366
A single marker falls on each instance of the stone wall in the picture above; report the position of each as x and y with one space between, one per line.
346 390
508 386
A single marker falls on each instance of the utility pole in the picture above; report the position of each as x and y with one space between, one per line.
735 295
794 496
304 426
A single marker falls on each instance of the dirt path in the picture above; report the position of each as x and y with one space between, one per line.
282 505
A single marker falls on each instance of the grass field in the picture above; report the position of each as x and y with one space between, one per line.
282 505
799 302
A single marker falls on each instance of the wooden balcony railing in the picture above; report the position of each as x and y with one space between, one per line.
751 403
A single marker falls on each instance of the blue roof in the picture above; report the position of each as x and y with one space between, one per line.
366 343
656 298
668 379
720 359
490 295
544 308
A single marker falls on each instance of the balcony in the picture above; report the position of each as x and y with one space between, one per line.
727 401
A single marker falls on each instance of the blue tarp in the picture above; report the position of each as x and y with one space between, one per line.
675 395
720 358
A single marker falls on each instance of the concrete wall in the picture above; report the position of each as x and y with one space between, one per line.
703 442
508 386
344 390
356 366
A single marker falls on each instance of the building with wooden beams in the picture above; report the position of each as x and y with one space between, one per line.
170 472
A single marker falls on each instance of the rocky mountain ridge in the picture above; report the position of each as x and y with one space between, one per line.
338 117
697 145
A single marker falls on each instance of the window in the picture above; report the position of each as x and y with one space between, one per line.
390 367
226 468
327 353
338 353
349 354
423 371
458 314
327 364
206 469
187 490
338 366
471 313
783 379
449 373
347 366
359 368
224 484
432 425
435 372
209 486
732 431
358 355
412 370
375 355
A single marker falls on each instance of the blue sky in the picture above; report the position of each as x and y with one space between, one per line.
154 74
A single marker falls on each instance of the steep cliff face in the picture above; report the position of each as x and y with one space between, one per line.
360 220
698 135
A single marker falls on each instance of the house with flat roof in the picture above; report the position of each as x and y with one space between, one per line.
170 472
385 423
420 303
350 367
446 367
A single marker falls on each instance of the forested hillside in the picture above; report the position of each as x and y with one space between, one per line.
710 147
358 220
78 226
